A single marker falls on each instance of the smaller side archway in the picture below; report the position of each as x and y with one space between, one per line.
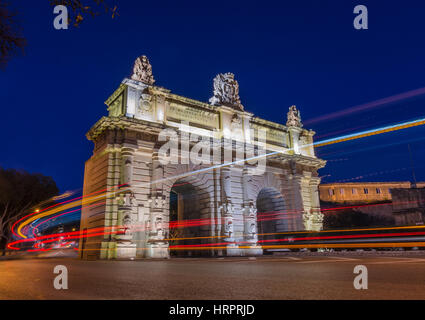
271 214
184 220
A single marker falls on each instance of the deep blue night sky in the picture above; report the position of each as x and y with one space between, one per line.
282 53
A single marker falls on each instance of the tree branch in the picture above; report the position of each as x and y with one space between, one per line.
4 215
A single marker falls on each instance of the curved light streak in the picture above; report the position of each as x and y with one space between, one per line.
91 199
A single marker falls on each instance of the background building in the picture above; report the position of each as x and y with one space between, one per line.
373 203
361 192
409 206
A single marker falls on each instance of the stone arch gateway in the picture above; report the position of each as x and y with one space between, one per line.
155 147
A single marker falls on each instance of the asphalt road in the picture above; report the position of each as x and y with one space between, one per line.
286 277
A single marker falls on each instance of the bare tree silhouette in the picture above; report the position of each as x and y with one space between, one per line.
12 42
80 9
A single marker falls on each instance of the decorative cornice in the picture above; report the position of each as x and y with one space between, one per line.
122 122
192 102
263 122
154 90
116 93
300 159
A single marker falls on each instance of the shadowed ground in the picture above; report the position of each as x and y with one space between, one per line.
278 277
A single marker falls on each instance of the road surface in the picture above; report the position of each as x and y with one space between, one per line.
281 277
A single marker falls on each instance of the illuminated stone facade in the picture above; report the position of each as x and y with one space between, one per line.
127 154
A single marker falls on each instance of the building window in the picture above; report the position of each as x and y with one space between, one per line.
354 191
366 191
378 190
331 192
341 191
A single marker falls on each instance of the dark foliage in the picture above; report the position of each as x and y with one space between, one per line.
20 192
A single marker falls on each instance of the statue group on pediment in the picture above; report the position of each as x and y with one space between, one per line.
225 93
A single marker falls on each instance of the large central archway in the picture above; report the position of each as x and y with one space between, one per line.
185 223
271 215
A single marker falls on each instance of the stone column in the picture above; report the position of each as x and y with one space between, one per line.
307 207
157 246
313 220
227 210
127 215
108 245
292 189
298 203
294 134
161 106
250 217
218 208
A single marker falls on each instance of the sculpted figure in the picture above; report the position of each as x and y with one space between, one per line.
145 103
294 117
158 226
252 228
226 91
228 228
142 71
252 210
127 224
